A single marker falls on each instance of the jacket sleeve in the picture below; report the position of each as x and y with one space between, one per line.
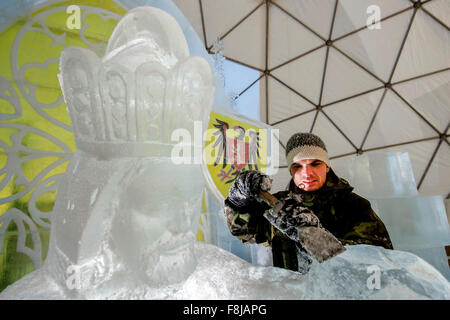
248 224
365 226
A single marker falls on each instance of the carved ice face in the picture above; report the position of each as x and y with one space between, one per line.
156 214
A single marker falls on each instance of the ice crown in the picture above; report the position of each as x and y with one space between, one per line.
144 87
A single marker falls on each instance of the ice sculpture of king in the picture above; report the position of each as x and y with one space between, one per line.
126 212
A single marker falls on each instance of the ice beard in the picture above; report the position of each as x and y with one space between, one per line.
155 236
157 255
177 255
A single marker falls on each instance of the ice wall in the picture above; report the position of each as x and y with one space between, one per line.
416 223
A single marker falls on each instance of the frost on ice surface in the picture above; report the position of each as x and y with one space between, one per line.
126 216
220 275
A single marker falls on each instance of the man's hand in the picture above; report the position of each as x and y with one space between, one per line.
291 217
301 225
246 188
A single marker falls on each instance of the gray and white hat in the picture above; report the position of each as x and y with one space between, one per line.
304 145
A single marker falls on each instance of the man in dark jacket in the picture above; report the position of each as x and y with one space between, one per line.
315 197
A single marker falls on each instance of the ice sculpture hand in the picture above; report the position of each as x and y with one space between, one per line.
245 189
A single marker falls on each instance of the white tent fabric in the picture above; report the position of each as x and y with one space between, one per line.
364 75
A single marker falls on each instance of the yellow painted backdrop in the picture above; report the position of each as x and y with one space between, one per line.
36 140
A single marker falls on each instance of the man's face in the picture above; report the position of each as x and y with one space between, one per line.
309 174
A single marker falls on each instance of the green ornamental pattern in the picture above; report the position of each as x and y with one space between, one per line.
36 139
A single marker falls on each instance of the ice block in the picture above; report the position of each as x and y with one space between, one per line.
378 174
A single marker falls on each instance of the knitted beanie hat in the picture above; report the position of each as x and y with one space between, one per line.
306 146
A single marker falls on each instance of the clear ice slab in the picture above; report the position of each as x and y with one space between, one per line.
416 223
378 174
361 272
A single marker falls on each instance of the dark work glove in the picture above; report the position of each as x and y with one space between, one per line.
245 189
301 225
292 216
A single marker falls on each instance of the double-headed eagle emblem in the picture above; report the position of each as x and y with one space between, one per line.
234 151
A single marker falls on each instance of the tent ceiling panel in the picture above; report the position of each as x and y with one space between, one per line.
191 9
247 40
430 96
285 103
299 124
366 46
353 15
437 178
238 85
427 49
396 123
439 9
335 141
289 37
353 116
304 75
383 88
281 179
316 15
222 16
344 78
246 99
